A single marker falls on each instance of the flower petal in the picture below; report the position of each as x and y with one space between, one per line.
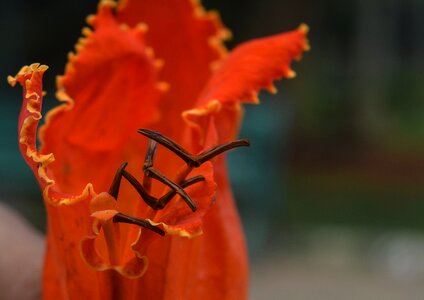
109 90
30 78
255 65
61 217
65 274
251 67
188 40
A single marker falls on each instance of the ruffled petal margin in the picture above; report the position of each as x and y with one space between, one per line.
110 89
251 67
30 78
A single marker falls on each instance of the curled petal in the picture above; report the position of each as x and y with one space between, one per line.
102 202
133 267
30 78
251 67
90 254
255 65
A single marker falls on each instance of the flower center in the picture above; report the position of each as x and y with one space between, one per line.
175 186
107 247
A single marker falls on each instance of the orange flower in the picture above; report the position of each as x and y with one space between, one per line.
159 65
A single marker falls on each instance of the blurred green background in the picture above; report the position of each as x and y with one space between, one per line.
337 157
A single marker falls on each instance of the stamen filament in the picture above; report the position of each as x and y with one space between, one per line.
150 200
168 143
164 200
114 187
193 161
151 172
148 163
211 153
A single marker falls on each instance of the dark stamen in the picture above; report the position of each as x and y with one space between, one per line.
194 161
211 153
153 173
122 218
168 143
164 200
150 200
150 154
148 163
114 187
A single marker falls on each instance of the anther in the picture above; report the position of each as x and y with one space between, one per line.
150 154
211 153
122 218
194 161
164 200
155 203
150 200
148 163
168 143
153 173
114 187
